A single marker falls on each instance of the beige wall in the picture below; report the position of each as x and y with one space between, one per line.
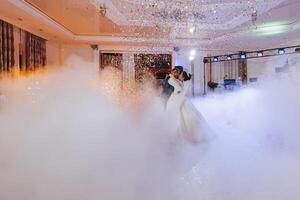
85 53
53 54
59 54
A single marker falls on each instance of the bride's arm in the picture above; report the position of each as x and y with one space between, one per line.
186 86
178 86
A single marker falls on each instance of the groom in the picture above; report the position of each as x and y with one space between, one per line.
167 88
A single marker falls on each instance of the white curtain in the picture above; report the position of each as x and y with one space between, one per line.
221 69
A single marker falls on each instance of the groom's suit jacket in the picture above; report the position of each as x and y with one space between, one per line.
167 88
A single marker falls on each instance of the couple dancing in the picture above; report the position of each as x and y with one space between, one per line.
190 124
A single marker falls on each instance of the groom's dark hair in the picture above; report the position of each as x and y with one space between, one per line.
179 68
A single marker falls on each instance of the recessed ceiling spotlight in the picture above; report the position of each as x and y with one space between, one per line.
205 60
215 59
229 57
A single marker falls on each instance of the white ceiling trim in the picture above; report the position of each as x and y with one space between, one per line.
41 16
164 41
128 49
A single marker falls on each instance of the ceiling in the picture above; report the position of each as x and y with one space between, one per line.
82 18
215 24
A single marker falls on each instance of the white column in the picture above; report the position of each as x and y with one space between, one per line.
128 66
96 61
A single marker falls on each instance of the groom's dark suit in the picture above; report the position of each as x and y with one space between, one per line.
167 88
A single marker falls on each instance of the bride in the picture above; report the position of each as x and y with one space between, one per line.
190 123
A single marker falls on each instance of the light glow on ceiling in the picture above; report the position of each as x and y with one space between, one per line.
272 28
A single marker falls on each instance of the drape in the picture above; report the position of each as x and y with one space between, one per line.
7 59
111 60
35 52
243 73
224 70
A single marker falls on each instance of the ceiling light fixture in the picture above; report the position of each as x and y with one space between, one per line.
254 54
254 16
243 55
260 53
272 28
102 10
281 51
100 6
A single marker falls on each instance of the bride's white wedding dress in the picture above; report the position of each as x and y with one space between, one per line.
190 123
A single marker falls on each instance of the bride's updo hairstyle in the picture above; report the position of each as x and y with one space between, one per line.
186 76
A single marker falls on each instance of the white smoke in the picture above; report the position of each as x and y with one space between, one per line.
256 154
64 137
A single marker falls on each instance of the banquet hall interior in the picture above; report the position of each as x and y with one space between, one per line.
82 114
